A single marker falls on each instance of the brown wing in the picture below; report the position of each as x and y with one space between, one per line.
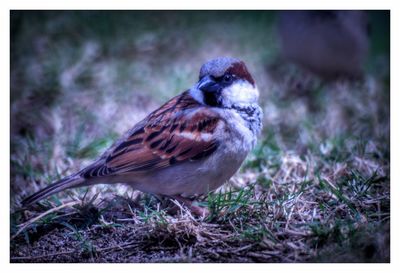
179 131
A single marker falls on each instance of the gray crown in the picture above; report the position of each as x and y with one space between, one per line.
217 67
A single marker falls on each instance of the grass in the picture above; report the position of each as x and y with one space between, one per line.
315 189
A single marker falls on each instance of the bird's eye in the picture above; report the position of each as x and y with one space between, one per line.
227 78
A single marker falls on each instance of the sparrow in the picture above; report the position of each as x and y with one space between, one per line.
328 43
189 146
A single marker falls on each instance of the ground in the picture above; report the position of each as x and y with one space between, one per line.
315 189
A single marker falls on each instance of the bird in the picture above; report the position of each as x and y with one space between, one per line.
331 44
188 147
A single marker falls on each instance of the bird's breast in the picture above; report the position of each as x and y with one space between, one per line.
243 125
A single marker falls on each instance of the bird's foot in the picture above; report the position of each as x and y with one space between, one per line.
194 209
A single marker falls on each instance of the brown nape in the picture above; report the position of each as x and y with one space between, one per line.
240 70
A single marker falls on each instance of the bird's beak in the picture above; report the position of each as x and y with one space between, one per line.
208 84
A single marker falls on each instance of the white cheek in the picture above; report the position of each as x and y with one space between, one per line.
240 92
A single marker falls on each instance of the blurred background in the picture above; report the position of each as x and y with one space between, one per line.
79 79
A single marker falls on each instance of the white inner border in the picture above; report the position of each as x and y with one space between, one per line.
7 5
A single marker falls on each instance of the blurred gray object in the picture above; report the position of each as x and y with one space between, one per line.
330 44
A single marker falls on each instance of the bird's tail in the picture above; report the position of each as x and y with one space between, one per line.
66 183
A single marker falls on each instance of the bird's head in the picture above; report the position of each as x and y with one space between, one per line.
225 82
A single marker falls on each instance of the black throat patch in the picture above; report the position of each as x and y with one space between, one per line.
213 99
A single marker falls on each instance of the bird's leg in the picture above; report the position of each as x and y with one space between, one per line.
196 210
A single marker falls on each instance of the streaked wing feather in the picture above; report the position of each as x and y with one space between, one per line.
166 137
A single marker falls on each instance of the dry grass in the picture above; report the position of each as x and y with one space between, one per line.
316 188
